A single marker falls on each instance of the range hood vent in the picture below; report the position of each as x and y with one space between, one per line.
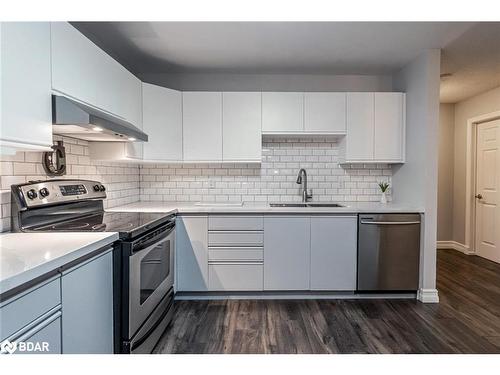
77 120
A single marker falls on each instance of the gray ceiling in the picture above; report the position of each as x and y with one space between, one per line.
286 47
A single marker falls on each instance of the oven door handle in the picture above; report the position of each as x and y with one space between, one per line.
166 230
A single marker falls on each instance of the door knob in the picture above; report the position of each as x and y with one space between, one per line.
479 196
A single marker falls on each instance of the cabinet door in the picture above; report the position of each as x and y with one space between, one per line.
325 112
202 125
85 72
360 126
286 253
333 253
75 65
389 126
191 240
282 112
162 122
242 121
25 99
87 307
47 335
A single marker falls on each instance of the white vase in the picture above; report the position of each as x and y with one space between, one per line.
383 198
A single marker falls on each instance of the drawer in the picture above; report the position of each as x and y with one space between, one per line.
19 311
236 277
236 254
235 238
216 222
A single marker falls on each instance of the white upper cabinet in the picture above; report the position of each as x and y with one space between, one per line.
325 112
162 122
25 101
84 72
375 128
389 126
360 127
242 121
282 112
202 124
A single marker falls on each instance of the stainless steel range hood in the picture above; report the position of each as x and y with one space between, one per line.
78 120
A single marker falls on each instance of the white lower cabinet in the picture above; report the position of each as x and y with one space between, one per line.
231 253
72 313
333 253
191 239
33 318
286 252
87 307
227 276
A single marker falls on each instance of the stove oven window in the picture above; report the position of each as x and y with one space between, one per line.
155 268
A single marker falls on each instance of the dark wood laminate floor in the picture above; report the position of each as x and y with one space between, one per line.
467 320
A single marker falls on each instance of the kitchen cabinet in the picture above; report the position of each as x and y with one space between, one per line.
25 101
34 316
162 122
191 253
333 253
84 72
375 128
282 112
242 122
360 126
87 307
286 252
325 112
389 141
235 252
202 126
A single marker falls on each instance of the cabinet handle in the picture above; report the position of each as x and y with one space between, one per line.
390 222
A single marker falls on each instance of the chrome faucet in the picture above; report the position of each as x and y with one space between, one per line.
302 179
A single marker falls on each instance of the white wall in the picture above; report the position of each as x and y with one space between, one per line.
446 172
269 82
415 182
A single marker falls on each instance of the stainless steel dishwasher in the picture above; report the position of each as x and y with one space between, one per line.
388 252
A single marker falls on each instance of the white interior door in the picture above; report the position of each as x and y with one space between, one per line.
488 190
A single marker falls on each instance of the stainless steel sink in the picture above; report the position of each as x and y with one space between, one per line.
288 204
310 204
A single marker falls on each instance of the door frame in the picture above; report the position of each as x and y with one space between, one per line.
470 178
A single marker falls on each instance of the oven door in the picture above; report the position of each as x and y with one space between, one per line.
151 275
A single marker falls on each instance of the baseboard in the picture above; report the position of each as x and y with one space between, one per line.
455 246
289 295
428 295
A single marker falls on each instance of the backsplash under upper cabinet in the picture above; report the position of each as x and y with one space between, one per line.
272 180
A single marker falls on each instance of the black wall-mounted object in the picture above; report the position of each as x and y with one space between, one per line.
54 162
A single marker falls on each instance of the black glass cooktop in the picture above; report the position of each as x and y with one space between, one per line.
128 224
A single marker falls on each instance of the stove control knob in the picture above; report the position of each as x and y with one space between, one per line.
96 187
32 194
44 192
102 188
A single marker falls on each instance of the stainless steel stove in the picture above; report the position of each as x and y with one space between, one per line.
143 258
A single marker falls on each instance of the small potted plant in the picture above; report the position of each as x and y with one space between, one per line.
383 187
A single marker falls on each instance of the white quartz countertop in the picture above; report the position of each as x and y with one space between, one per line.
192 208
26 256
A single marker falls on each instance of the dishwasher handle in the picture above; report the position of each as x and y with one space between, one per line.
390 222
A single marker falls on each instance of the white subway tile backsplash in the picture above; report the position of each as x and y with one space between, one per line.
272 180
122 181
